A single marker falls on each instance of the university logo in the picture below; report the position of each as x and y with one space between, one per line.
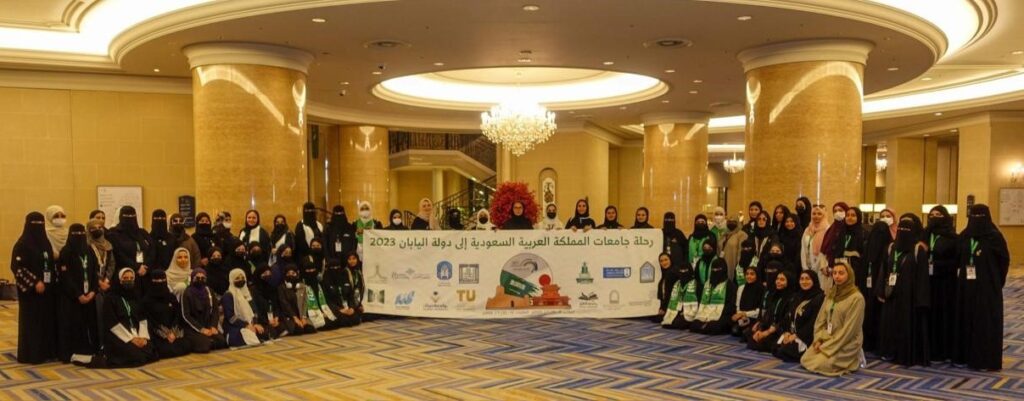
444 271
435 298
617 272
374 296
409 274
435 303
613 297
588 297
376 278
647 273
584 277
405 299
466 295
469 273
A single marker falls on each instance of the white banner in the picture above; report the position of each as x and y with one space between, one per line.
506 274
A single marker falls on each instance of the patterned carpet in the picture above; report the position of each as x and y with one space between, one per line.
537 359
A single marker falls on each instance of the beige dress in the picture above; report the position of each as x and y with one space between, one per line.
841 350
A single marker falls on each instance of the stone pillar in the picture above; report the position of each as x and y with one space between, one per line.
675 176
365 165
904 176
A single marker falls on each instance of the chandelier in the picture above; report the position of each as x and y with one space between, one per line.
735 165
881 163
518 126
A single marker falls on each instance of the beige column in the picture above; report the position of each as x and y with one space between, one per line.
803 131
930 191
904 176
506 164
393 191
249 121
365 167
868 156
675 175
437 184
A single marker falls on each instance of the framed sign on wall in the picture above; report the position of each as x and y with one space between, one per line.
110 198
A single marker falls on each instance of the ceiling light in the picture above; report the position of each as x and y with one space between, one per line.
319 20
694 92
669 43
531 7
156 70
608 63
893 69
1017 52
438 63
938 113
524 60
622 108
954 130
518 125
735 165
698 81
665 101
744 18
669 71
376 73
881 163
343 83
926 79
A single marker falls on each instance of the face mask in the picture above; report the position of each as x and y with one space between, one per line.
886 220
96 234
364 214
800 208
293 279
281 225
709 251
396 222
215 260
239 284
840 215
719 220
226 224
731 225
201 280
256 254
128 285
483 220
59 222
551 215
700 226
240 254
316 251
178 227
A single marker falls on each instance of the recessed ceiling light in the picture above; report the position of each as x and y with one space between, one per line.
343 83
572 111
608 63
1017 52
669 71
954 130
665 101
524 60
376 73
319 20
438 63
893 69
668 43
698 81
156 70
939 113
744 18
694 92
926 135
926 79
531 7
622 108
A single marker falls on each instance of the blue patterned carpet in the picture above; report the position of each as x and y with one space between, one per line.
539 359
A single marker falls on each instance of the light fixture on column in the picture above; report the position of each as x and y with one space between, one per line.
1016 173
735 165
881 162
518 125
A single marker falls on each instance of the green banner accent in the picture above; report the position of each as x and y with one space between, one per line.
516 286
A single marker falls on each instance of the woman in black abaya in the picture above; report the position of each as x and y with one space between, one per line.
132 245
611 218
981 275
253 232
581 220
905 296
943 256
800 317
79 339
674 243
127 343
517 219
33 267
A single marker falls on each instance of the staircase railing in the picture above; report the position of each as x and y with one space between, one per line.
476 146
468 201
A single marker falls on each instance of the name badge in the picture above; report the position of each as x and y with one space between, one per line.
972 273
829 328
46 277
931 268
139 257
753 261
270 316
892 279
337 246
85 287
869 282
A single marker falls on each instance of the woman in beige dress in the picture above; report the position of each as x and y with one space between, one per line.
838 333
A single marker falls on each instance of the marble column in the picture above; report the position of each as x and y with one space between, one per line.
803 130
249 116
904 175
675 176
365 168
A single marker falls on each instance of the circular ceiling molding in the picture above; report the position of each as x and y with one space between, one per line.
556 88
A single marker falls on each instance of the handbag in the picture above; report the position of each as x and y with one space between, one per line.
8 291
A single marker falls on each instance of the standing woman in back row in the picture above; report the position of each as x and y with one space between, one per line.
981 275
581 220
943 256
32 263
905 297
253 232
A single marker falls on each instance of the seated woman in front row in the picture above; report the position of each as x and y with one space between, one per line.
800 318
682 301
763 334
199 310
838 331
718 294
241 327
749 297
124 317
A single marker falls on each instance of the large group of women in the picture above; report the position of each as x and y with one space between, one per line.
803 285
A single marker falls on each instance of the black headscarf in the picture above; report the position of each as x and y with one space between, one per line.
332 273
309 214
391 223
855 233
909 232
762 232
157 292
979 223
309 272
515 222
158 225
178 231
805 214
33 235
806 295
611 223
280 229
700 231
777 223
878 242
645 223
580 220
455 219
753 293
791 239
77 244
247 228
339 222
940 226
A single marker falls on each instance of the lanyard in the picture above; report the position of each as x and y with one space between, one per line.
896 262
704 270
128 308
974 247
830 310
85 270
846 243
931 247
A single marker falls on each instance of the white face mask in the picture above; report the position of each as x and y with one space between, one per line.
59 222
840 215
396 221
226 224
719 220
886 220
365 214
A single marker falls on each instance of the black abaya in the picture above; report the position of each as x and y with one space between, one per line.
32 262
903 326
77 321
978 340
875 253
943 255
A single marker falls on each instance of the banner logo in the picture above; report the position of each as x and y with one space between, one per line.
617 272
435 303
444 271
404 300
584 277
613 297
409 274
588 297
526 282
647 273
469 274
376 278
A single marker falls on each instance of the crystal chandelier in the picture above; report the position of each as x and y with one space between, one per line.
518 126
735 165
881 163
